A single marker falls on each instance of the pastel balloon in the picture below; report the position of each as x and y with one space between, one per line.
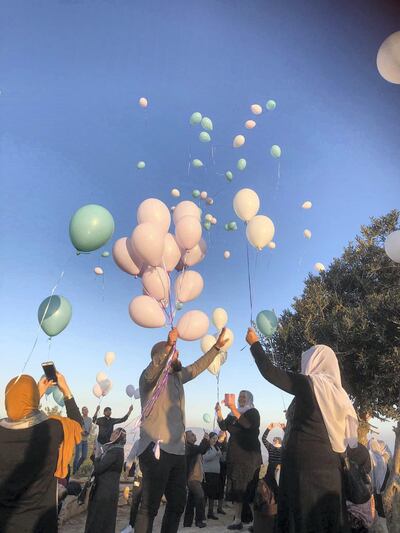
241 164
204 137
207 123
122 255
239 141
54 314
147 240
213 221
227 254
272 245
106 386
109 358
307 234
229 175
188 286
91 227
319 267
105 254
226 226
250 124
178 306
186 208
246 204
267 322
208 217
230 336
195 118
276 151
196 254
154 211
172 252
175 193
256 109
195 193
392 246
388 58
307 205
207 342
130 390
146 312
141 165
271 105
143 102
219 317
58 397
101 376
192 325
207 225
98 271
232 226
97 391
209 201
188 232
156 282
260 231
197 163
215 366
206 418
136 394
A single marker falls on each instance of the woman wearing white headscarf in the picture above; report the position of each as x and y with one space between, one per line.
243 457
380 473
321 423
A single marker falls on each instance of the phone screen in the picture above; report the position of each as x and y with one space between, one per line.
50 371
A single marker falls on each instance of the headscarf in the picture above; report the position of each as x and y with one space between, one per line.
321 364
249 402
379 466
22 397
115 440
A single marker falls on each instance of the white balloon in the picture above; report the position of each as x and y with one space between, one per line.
307 234
156 282
175 193
188 286
172 253
260 231
156 212
388 58
97 391
272 245
319 267
109 358
227 254
98 270
246 204
148 241
207 342
256 109
203 195
231 338
194 255
101 376
250 124
130 390
106 386
219 317
215 366
143 102
192 325
186 208
208 217
239 141
136 394
307 205
188 232
392 246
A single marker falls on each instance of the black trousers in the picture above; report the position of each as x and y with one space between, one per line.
195 500
167 476
136 499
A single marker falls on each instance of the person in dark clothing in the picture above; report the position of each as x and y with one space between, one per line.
35 450
162 443
321 422
244 453
274 454
195 475
103 500
106 423
212 471
361 516
222 444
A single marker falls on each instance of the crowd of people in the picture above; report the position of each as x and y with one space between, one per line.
303 489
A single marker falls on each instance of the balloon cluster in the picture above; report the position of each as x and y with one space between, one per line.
219 319
103 385
132 392
260 229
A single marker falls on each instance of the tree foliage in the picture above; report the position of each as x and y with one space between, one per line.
353 307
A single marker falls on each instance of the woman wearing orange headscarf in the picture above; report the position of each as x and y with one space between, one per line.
34 451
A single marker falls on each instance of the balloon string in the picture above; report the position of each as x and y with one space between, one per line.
249 282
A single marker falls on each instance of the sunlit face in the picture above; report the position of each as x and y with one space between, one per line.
85 411
221 436
213 440
242 399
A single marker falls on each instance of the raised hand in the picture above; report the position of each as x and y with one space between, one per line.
251 336
172 337
44 384
222 339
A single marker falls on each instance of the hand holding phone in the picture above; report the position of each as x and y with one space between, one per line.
50 371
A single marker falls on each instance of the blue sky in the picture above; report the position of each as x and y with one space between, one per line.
73 132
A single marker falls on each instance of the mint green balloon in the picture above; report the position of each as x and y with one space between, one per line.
206 418
58 397
207 225
276 151
267 322
197 163
207 123
141 165
195 118
91 227
226 227
232 226
54 314
105 254
195 193
271 105
229 175
178 306
204 137
241 164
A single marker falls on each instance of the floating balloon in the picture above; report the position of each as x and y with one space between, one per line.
147 240
227 254
58 397
267 322
271 105
175 193
226 226
197 163
156 282
272 245
204 137
241 164
215 366
54 314
206 418
143 102
232 226
146 312
156 212
186 208
178 306
219 317
188 286
307 205
246 204
141 165
195 193
106 386
250 124
230 336
229 175
122 254
239 141
97 391
207 123
319 267
307 234
208 217
256 109
203 195
209 201
213 220
101 376
98 271
130 390
172 253
109 358
105 254
195 255
276 151
207 342
195 118
192 325
260 231
188 232
388 58
136 394
392 246
91 227
207 225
